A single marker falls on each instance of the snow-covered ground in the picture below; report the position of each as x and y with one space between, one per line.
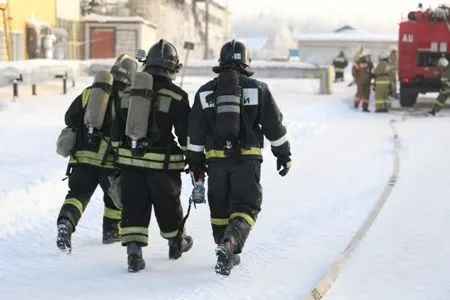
341 162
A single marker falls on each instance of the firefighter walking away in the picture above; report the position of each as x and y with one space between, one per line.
87 141
339 63
383 83
230 116
362 72
149 158
444 91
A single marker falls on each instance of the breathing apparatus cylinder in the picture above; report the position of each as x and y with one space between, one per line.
98 101
139 108
228 109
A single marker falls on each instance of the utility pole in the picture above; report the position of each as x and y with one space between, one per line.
206 56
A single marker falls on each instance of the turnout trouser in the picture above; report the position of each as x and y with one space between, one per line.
143 189
439 103
234 196
382 91
362 95
338 76
83 180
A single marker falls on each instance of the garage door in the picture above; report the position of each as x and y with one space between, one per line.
102 43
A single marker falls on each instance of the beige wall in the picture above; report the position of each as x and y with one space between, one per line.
219 27
147 36
68 9
183 26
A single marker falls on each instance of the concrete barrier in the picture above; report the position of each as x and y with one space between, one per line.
34 72
262 70
37 72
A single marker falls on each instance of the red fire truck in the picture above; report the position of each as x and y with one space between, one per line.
423 39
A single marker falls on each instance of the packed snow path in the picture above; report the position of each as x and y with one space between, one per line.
405 253
341 161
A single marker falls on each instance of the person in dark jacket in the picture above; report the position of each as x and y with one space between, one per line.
230 117
91 162
151 167
340 62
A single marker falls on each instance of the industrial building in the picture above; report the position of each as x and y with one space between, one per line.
89 29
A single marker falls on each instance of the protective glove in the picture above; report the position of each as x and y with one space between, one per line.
198 192
283 165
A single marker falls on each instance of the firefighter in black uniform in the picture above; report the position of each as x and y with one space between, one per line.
151 166
230 116
91 161
339 63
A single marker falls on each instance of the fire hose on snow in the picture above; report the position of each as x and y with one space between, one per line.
326 282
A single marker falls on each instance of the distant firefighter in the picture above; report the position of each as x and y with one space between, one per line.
339 63
362 73
444 92
383 83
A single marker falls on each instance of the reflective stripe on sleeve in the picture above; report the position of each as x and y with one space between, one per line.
279 142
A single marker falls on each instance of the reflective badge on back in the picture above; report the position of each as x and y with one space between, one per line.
250 96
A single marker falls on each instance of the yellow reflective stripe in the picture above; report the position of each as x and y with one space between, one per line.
339 69
249 219
221 154
92 162
382 82
74 202
85 97
134 230
439 104
93 158
172 234
220 222
381 101
132 161
171 94
152 156
113 214
136 238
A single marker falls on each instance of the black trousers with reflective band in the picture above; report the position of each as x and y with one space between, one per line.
234 191
143 189
83 181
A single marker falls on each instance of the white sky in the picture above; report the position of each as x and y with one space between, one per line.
354 12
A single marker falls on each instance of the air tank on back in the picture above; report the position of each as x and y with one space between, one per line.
139 107
98 100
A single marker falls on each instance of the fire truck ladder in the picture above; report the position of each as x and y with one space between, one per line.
6 19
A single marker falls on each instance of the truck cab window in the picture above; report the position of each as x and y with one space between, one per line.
429 59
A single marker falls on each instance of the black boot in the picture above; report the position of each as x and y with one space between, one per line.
135 260
63 240
111 235
179 245
226 260
432 112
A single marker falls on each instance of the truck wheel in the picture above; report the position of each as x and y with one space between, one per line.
408 98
